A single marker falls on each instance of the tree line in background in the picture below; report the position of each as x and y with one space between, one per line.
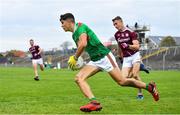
167 41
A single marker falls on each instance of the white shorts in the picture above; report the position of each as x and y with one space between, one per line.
37 61
129 61
107 63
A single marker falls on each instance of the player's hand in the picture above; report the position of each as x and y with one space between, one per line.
125 45
72 62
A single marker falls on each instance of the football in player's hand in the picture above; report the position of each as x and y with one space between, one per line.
80 63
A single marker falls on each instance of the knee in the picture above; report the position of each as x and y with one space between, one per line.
78 80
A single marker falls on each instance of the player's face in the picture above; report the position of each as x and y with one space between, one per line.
118 24
66 25
31 42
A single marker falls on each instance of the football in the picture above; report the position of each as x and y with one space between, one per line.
80 63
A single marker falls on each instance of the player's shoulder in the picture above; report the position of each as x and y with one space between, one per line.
81 28
81 25
36 46
125 30
117 33
31 47
128 30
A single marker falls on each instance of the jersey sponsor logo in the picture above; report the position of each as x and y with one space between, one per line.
122 34
123 40
32 49
127 35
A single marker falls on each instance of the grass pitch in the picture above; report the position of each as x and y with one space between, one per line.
57 93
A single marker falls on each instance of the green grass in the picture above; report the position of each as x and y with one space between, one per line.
57 93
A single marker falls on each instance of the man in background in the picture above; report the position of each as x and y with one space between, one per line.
36 58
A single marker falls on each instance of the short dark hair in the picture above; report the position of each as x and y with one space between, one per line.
67 16
117 18
31 40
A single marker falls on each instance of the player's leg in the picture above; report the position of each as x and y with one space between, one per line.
126 67
34 63
41 67
126 72
86 72
143 68
81 78
35 69
151 87
110 65
130 70
135 75
40 62
136 61
116 74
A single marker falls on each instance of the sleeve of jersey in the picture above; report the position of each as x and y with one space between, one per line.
133 35
115 37
37 47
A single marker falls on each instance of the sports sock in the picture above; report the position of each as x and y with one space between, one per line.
92 99
147 86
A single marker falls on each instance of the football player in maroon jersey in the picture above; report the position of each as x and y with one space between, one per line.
36 58
128 46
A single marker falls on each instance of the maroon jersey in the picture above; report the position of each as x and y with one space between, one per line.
126 36
34 51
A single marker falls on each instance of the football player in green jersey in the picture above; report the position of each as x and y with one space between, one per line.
101 59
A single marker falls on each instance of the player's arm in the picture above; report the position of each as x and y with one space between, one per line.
135 42
81 45
82 42
135 45
40 51
120 52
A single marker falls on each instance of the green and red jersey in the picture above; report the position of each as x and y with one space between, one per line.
94 48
